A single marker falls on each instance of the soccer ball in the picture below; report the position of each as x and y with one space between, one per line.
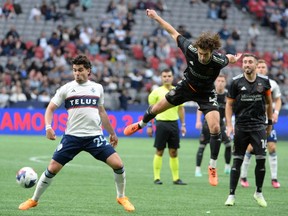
26 177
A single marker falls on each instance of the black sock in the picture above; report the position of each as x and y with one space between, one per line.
148 115
199 155
259 174
215 142
235 174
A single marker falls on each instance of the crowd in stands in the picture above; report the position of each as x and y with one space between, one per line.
127 66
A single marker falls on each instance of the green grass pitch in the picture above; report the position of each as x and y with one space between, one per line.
86 186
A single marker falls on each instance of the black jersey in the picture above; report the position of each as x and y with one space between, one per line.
200 76
250 104
221 99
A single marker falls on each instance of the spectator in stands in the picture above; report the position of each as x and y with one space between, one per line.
236 34
12 32
121 7
70 7
183 31
17 93
253 32
35 13
124 99
224 32
54 40
4 97
8 9
230 46
222 12
212 12
85 4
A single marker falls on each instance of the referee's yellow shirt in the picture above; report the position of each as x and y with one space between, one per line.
168 115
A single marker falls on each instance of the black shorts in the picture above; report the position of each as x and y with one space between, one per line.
182 93
242 139
205 135
70 146
167 132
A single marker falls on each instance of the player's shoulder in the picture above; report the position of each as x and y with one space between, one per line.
263 76
238 77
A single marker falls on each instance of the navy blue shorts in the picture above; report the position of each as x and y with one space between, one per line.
70 146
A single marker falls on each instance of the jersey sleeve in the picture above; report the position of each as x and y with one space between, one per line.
185 45
59 96
276 93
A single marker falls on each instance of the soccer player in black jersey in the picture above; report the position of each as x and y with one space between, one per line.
204 139
203 67
249 97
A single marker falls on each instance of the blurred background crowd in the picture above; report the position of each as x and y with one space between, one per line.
38 39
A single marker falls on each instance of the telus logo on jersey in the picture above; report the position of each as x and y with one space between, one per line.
81 102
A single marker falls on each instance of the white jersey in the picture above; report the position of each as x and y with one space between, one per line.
275 89
81 102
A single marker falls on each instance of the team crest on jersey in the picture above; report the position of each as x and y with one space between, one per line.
172 92
260 88
93 90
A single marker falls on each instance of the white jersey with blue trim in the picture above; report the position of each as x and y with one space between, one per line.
81 102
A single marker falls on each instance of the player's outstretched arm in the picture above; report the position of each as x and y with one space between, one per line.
228 116
234 58
165 25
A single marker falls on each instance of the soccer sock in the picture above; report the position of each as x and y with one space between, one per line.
245 165
157 165
43 183
174 166
147 117
259 174
199 155
215 142
213 163
120 181
273 164
227 153
235 174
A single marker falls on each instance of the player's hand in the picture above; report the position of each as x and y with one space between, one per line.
275 118
149 131
198 125
268 130
113 139
229 131
151 13
183 130
50 134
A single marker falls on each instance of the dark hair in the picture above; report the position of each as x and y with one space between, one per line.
250 55
208 41
262 61
166 70
82 60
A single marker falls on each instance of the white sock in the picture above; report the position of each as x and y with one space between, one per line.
227 167
213 163
245 165
273 165
120 182
198 169
142 124
41 186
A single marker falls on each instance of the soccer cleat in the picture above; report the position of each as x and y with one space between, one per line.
131 129
244 182
124 201
230 200
179 182
213 177
275 183
198 174
28 204
260 199
158 182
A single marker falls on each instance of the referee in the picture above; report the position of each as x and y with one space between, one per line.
167 130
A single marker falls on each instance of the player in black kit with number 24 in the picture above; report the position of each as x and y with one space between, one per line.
203 67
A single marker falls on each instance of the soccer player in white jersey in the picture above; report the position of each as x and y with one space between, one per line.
272 139
84 101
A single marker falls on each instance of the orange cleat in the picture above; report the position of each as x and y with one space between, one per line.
213 177
131 129
28 204
124 201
